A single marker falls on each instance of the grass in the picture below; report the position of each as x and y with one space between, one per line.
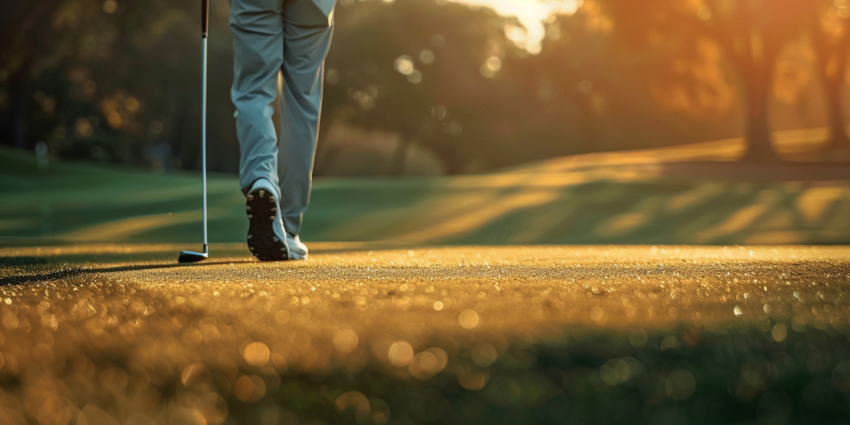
113 334
624 198
575 373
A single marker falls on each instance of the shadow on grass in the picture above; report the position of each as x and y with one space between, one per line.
684 376
572 376
22 261
76 271
649 197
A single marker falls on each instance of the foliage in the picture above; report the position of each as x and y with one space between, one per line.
118 81
830 40
749 34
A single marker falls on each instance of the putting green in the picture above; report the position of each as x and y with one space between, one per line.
369 333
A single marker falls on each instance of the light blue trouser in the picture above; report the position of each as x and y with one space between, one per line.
291 37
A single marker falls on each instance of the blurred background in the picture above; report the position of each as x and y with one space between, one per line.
434 87
702 93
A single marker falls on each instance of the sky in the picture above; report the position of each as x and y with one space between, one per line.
531 14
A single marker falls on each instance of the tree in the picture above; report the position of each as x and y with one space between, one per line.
23 24
749 33
830 39
413 68
94 73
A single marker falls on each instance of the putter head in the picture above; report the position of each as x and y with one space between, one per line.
192 257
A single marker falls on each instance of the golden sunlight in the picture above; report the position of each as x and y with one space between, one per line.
531 14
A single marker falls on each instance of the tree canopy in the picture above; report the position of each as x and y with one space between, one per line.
118 80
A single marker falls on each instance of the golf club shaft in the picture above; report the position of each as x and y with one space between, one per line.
205 18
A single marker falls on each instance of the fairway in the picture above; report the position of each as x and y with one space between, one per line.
661 196
423 301
360 334
473 212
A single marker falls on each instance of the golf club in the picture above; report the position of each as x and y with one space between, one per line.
191 256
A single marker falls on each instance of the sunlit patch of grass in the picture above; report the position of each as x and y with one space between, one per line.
814 203
364 334
596 198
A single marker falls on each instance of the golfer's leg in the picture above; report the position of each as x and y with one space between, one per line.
257 27
308 27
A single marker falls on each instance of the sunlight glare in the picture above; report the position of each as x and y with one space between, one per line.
531 14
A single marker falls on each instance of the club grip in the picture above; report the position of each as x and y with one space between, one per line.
205 17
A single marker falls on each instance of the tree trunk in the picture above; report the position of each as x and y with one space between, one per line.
399 162
831 62
833 68
12 126
837 127
454 162
326 155
760 147
759 144
589 125
23 25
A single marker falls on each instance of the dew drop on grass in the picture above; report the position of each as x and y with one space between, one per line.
779 333
468 319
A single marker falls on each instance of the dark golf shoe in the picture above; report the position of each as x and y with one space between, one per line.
266 237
